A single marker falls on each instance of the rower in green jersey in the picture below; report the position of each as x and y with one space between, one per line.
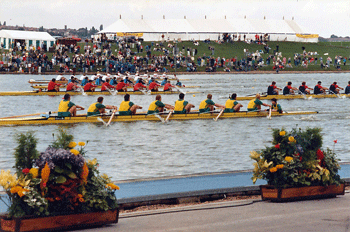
158 106
276 107
208 105
232 105
98 108
255 104
127 107
182 106
67 108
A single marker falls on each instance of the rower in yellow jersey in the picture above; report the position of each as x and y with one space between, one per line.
98 108
67 108
182 106
208 105
127 107
158 106
255 104
232 105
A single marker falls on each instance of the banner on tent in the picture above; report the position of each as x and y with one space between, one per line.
129 34
307 36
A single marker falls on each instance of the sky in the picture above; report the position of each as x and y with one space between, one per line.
323 17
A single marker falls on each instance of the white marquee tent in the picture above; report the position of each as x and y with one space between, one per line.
201 29
10 38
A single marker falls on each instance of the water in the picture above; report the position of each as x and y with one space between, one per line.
135 150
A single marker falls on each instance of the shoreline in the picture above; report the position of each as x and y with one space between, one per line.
193 73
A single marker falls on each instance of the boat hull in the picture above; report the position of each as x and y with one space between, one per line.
310 96
143 117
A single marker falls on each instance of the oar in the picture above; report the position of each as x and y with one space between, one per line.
26 115
304 96
334 93
167 118
101 120
110 91
221 112
81 89
179 89
160 118
270 111
110 119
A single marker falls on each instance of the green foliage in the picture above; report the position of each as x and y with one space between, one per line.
63 139
26 152
296 160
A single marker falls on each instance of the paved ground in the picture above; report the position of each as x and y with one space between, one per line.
314 215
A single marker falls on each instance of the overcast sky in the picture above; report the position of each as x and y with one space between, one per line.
324 17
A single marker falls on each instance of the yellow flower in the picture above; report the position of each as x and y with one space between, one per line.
19 190
105 176
92 162
75 152
112 186
34 172
254 155
274 169
81 143
72 144
291 139
288 159
282 133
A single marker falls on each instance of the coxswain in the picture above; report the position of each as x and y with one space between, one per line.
153 86
53 86
72 86
276 107
89 87
232 105
288 89
255 104
139 86
98 108
208 104
121 86
182 106
127 107
334 88
304 89
273 89
347 88
105 86
158 106
67 108
319 89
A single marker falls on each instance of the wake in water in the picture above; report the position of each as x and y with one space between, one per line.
307 118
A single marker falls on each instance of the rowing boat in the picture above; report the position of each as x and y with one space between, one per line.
98 87
42 120
297 96
45 93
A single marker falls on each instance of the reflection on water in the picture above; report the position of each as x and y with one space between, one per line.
152 149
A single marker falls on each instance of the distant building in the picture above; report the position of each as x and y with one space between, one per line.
10 38
202 29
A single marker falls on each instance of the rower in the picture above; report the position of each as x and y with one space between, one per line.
255 104
67 108
105 86
113 81
127 107
89 87
208 105
99 81
347 88
53 86
164 81
232 105
288 89
139 86
276 107
182 106
153 86
98 108
84 81
121 86
168 86
158 106
273 89
304 89
178 83
334 88
319 89
127 81
72 86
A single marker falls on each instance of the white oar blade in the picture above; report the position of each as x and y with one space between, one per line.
101 120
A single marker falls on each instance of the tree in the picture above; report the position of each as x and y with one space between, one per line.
4 23
41 28
101 27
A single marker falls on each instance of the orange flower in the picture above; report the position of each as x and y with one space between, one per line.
45 173
81 200
85 173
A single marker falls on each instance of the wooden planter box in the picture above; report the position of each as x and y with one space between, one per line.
269 192
61 222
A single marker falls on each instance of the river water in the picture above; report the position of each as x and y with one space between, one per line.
134 150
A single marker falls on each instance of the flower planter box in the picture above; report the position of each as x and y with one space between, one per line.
269 192
61 222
